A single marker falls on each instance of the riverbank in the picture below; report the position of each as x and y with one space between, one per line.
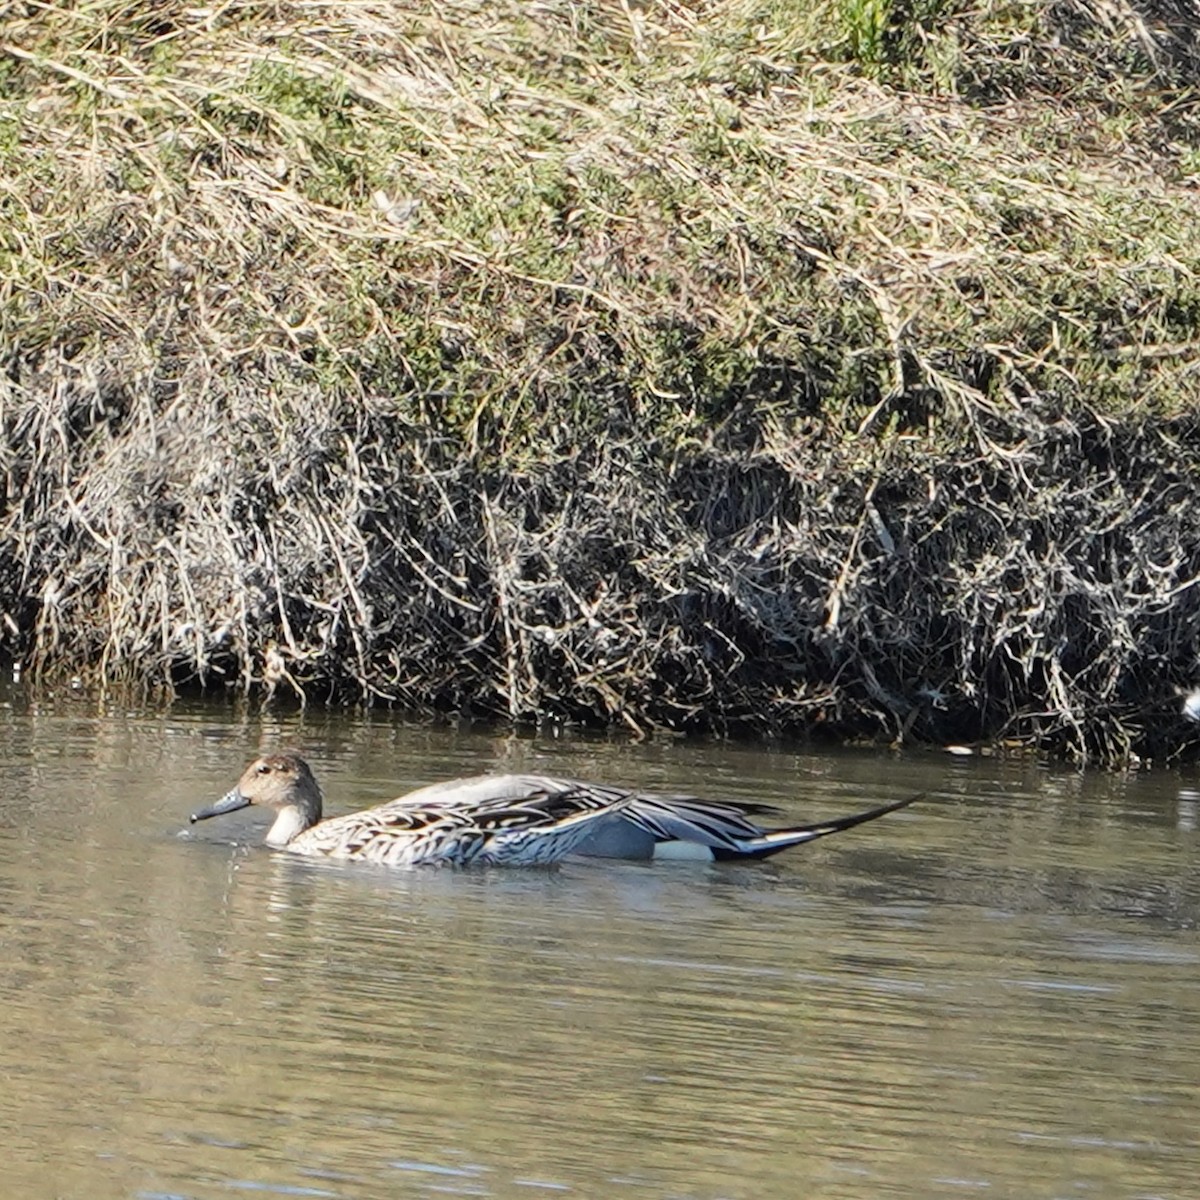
669 367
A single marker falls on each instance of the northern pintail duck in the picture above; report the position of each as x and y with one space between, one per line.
513 820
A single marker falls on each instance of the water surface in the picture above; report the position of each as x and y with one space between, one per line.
993 992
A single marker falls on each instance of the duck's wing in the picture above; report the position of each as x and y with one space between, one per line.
483 792
647 825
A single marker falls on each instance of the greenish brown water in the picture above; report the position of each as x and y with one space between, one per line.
994 992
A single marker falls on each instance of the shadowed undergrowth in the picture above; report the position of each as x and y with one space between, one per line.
713 366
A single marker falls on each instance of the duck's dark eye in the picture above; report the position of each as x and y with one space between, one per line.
264 768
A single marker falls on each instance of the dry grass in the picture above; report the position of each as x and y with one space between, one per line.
704 366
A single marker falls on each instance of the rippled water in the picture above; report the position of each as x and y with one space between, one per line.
993 992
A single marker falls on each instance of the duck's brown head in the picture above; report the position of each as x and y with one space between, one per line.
283 782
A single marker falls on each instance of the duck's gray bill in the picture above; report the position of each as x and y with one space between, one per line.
230 802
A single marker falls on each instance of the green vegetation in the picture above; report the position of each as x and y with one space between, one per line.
731 366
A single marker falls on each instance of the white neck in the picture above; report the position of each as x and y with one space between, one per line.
288 824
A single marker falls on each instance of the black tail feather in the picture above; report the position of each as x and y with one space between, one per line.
776 840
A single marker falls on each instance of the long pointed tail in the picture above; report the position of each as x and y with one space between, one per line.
774 840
